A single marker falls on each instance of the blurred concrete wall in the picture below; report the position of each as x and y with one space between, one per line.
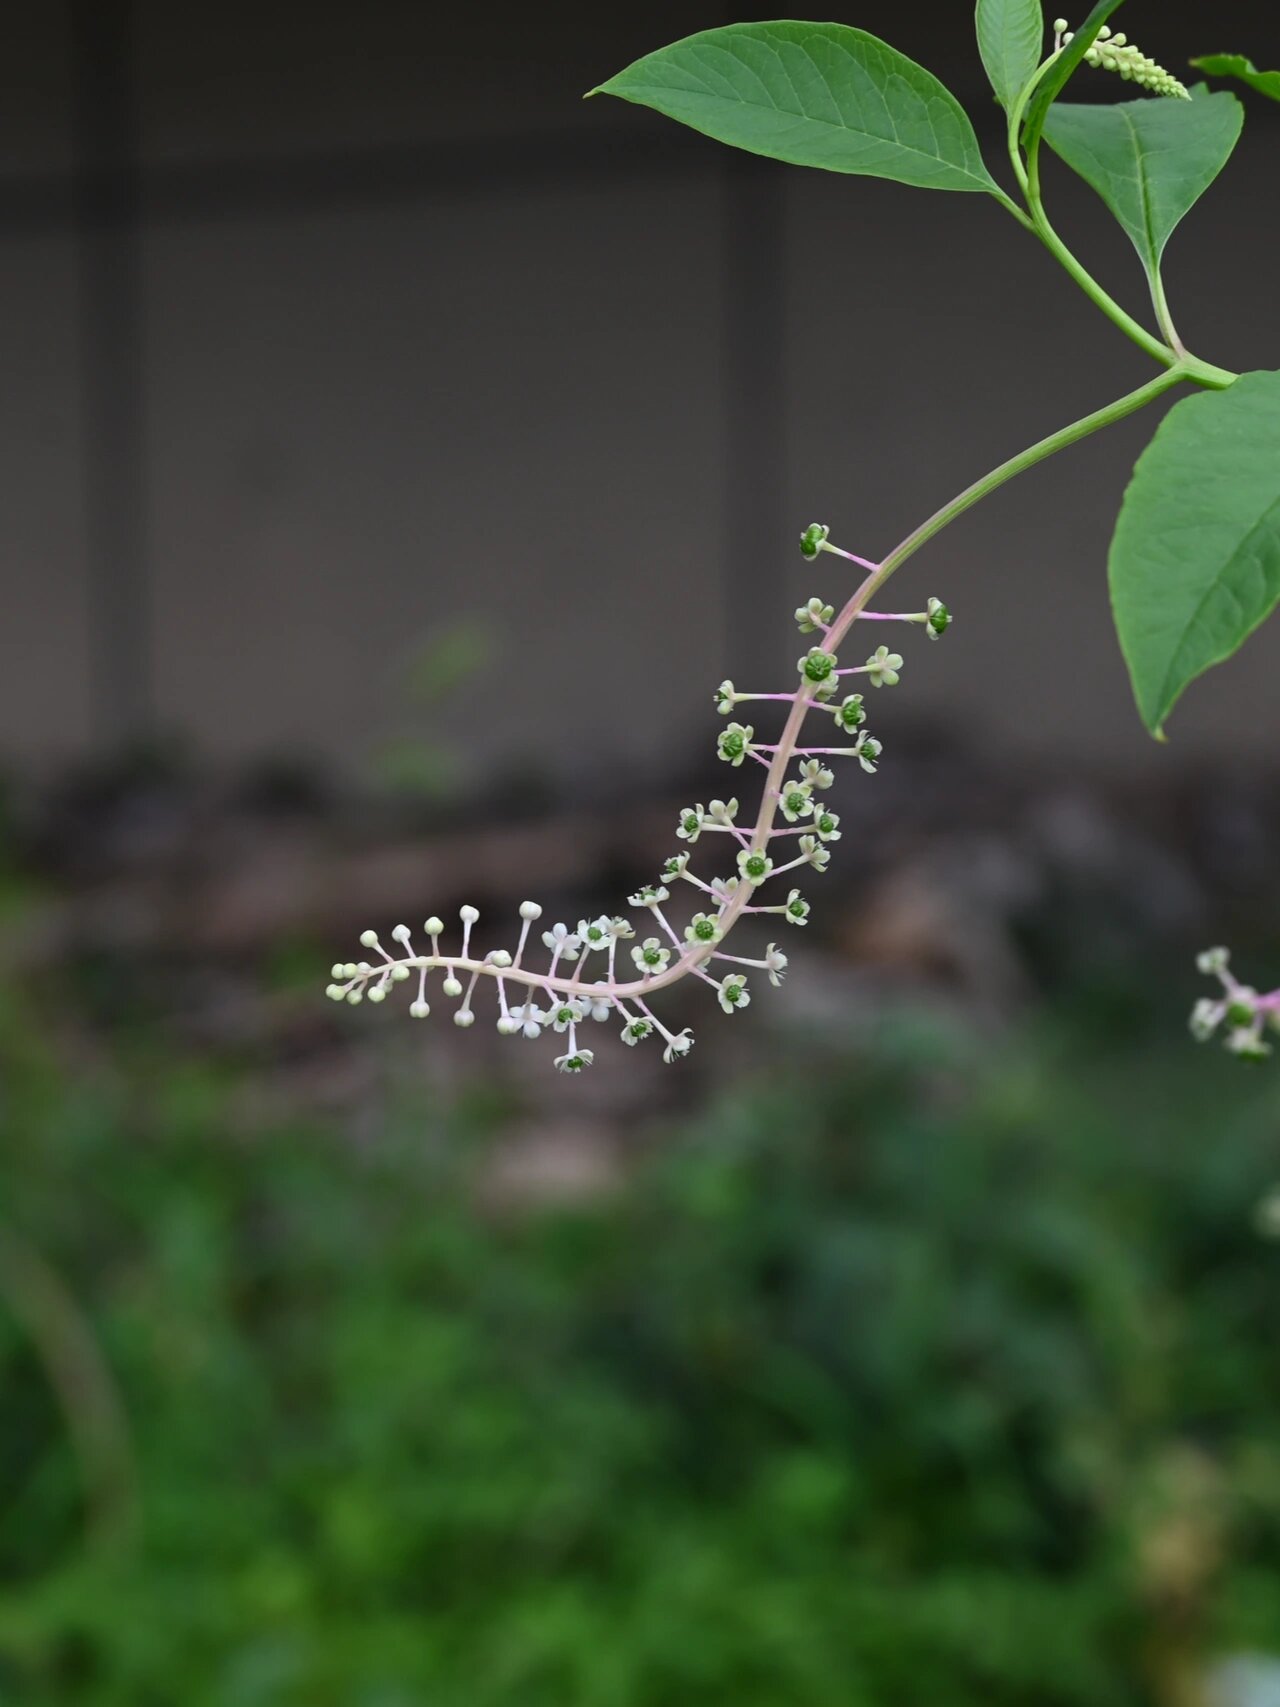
328 325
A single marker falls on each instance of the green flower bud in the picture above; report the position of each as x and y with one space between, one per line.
817 667
754 865
735 742
796 909
702 928
813 539
849 714
937 619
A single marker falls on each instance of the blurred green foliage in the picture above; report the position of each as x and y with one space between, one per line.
953 1380
423 764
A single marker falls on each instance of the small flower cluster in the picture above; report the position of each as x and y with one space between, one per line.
585 978
1239 1012
1117 53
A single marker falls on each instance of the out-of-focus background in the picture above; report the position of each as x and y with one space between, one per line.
397 450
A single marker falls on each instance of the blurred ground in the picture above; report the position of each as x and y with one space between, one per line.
913 1340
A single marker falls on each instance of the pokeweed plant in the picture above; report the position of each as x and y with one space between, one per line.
1194 563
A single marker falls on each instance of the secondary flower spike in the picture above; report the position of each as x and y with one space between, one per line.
1115 52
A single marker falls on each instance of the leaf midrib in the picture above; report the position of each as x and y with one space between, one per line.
1272 509
1144 197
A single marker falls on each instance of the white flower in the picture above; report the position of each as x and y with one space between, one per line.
678 1046
883 667
725 698
724 889
636 1030
652 895
595 933
561 940
813 615
703 930
529 1020
734 993
734 742
1248 1044
776 964
1206 1017
565 1013
574 1063
722 811
754 864
689 825
816 774
867 751
796 909
673 868
621 929
795 800
596 1004
812 850
849 713
827 826
650 956
818 672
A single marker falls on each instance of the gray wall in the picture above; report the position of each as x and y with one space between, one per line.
405 332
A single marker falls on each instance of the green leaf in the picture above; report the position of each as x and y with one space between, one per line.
1150 161
1011 42
814 95
1195 560
1236 65
1055 79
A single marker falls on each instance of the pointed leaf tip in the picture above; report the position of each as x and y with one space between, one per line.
823 95
1194 565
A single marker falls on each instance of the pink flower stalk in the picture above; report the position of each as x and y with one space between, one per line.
581 981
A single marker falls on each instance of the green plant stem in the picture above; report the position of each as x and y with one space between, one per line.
1069 435
1160 302
787 742
1172 355
1016 112
1169 353
1100 298
1030 181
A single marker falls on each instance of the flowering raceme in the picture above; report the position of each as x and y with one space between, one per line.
584 979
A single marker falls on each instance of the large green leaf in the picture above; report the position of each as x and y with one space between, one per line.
814 95
1236 65
1011 41
1151 160
1195 560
